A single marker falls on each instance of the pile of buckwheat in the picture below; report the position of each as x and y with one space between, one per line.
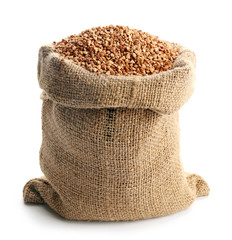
118 50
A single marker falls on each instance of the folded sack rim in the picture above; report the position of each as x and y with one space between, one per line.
67 83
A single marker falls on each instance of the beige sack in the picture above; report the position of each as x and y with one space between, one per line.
110 148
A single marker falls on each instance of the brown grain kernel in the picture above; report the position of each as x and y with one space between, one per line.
118 50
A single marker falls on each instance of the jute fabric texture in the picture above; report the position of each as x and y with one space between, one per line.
110 144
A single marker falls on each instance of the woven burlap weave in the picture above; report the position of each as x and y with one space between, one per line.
110 148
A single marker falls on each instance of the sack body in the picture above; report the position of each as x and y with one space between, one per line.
110 144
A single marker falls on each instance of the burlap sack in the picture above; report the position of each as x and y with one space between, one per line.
110 148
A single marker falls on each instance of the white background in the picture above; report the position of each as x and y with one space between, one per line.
205 121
